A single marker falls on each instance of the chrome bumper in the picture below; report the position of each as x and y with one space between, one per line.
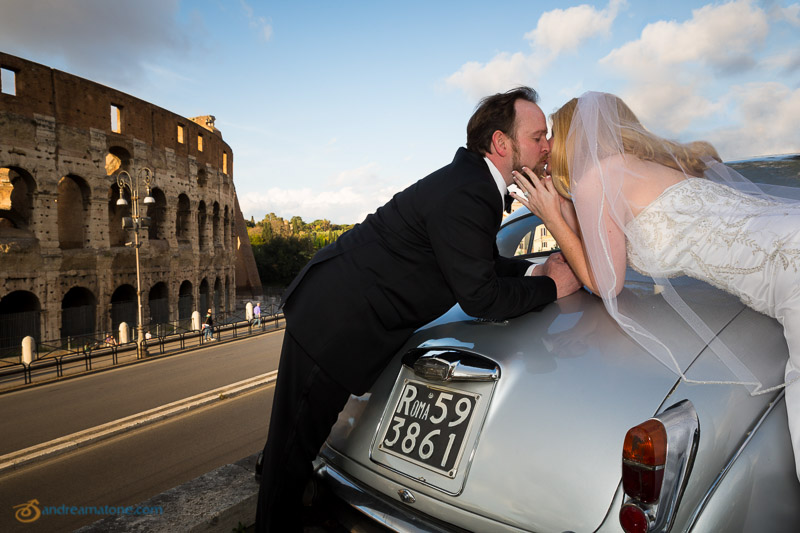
376 507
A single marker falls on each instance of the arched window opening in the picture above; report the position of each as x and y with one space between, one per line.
159 303
117 159
215 225
201 225
73 212
19 318
158 215
124 307
185 304
116 235
228 294
204 303
218 298
226 225
78 316
183 219
16 202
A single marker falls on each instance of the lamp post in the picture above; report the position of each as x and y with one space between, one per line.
136 222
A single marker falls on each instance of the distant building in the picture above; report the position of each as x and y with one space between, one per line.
65 269
538 240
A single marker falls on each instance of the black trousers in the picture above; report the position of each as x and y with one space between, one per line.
304 409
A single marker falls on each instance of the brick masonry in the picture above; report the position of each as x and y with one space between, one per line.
60 227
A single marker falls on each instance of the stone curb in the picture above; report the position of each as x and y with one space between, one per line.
76 440
221 500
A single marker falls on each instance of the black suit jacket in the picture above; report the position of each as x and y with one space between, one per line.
432 245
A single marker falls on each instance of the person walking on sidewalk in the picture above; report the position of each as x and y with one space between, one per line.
208 327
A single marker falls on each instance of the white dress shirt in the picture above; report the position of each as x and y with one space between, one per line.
503 190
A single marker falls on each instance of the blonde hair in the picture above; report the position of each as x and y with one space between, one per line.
636 140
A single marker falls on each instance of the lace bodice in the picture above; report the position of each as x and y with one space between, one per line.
745 245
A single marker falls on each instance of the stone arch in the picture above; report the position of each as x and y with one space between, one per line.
117 158
158 301
228 294
116 235
20 316
202 220
218 298
215 224
158 215
73 212
78 311
124 307
203 304
183 219
17 188
185 301
226 229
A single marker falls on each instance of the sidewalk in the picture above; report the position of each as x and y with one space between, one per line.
221 500
103 358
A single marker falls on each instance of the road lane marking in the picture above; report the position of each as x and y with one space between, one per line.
14 460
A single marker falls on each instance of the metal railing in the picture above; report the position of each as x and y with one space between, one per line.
85 351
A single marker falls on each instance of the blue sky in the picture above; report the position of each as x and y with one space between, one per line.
331 107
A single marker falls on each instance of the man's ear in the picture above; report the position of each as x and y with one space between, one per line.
501 144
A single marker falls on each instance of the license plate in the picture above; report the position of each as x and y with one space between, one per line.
428 426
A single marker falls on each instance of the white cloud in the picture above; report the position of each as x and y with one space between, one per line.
347 205
557 31
720 36
564 30
501 73
769 115
668 109
261 24
110 42
790 14
347 198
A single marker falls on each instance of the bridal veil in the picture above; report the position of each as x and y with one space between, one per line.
615 169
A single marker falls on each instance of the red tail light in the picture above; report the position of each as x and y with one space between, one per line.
633 520
643 457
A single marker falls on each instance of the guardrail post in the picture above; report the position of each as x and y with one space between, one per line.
28 346
124 333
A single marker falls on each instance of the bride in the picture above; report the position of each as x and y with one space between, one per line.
619 195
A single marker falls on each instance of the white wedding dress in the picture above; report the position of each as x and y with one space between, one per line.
639 201
743 244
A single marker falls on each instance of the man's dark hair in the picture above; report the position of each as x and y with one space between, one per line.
494 113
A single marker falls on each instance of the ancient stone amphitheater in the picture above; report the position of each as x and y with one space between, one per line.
65 269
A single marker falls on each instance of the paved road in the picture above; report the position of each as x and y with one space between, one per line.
40 414
133 467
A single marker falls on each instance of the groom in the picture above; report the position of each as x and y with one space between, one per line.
359 299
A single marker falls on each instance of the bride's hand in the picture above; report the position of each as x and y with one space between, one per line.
540 195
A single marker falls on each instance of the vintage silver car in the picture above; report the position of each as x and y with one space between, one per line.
556 421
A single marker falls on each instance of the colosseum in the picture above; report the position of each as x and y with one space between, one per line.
66 264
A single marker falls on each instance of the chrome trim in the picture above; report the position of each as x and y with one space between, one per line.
683 433
406 496
376 508
450 365
716 483
450 486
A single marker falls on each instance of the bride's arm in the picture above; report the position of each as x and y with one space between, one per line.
560 219
544 201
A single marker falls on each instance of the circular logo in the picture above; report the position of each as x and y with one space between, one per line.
28 512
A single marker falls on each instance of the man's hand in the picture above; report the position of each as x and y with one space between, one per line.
559 271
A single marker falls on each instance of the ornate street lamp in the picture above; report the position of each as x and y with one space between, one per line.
136 222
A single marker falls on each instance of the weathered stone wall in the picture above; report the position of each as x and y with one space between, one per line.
60 227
